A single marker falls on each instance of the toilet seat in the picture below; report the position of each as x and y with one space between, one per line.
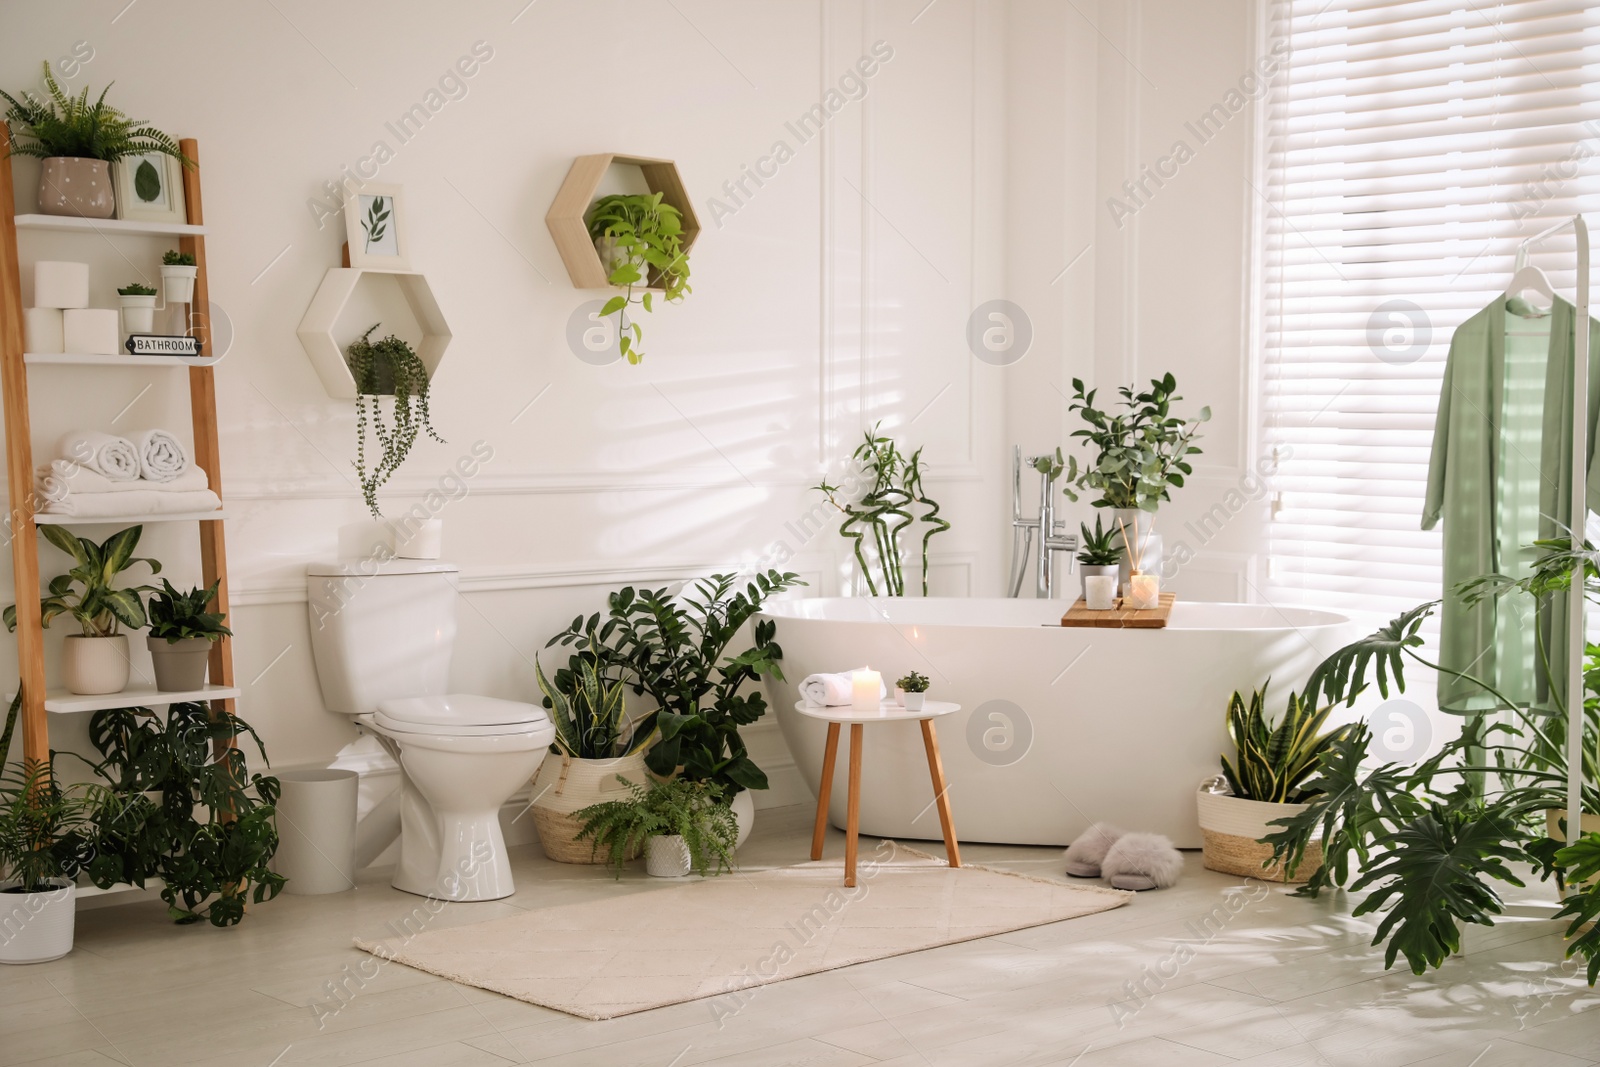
460 715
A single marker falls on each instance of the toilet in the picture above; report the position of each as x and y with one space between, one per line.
382 635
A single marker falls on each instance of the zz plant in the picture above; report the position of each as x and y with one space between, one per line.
387 367
889 506
86 592
646 234
62 125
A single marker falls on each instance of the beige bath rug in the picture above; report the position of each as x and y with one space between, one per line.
720 937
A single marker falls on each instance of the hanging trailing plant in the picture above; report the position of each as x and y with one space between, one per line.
637 234
885 511
388 367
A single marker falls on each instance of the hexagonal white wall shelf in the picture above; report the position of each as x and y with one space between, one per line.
349 300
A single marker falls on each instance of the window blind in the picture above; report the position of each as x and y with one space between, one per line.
1407 148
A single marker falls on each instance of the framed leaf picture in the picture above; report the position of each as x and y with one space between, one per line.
374 225
149 188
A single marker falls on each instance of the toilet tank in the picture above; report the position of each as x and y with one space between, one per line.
381 630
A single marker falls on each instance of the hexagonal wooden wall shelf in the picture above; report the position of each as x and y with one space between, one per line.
567 217
349 300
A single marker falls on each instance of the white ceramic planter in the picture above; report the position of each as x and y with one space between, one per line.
1233 829
179 665
138 313
94 666
667 856
564 785
744 813
37 927
913 701
177 282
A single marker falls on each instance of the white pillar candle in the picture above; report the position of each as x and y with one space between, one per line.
866 690
1100 591
1144 591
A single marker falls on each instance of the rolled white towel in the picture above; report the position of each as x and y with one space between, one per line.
162 456
104 453
61 477
833 690
139 502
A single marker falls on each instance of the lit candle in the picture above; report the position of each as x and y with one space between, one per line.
866 690
1144 591
1100 591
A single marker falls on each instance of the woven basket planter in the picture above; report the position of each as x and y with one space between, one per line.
1232 829
565 785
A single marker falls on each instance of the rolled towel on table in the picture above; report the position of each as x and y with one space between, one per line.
138 502
833 690
104 453
61 477
162 456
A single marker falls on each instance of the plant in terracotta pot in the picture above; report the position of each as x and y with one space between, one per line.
181 634
913 691
78 141
38 897
387 367
97 661
638 236
681 825
178 272
138 307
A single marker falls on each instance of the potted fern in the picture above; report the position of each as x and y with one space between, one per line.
181 635
1100 555
1266 781
138 307
682 825
640 240
388 367
78 141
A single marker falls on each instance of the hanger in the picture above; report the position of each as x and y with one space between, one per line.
1528 279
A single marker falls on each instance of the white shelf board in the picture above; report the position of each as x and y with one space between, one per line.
113 227
88 359
127 520
138 695
89 892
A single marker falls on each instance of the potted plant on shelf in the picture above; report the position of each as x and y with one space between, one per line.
913 691
78 141
681 825
388 367
38 899
1265 781
598 748
97 661
178 272
639 237
181 634
1100 555
138 307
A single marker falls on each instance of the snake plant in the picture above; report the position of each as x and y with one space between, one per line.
588 710
1275 760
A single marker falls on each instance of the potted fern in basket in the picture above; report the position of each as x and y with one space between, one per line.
682 825
392 368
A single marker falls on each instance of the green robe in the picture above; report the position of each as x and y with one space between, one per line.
1479 482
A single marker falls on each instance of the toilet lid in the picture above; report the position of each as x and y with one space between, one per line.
460 713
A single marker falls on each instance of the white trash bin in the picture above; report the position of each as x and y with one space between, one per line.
317 831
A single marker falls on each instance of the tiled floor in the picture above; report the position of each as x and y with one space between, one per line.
1211 972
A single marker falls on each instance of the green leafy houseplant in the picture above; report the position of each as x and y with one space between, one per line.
914 683
673 648
1274 760
86 592
36 816
588 710
1100 548
885 511
70 126
1140 454
388 367
175 616
173 258
136 289
646 235
695 810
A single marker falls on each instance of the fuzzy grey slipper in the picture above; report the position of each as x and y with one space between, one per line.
1142 861
1085 855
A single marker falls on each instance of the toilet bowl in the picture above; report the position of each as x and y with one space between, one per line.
381 636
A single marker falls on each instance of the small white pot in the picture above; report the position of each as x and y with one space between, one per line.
744 813
37 927
913 701
138 313
94 666
177 282
667 856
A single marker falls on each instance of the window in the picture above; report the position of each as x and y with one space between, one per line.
1407 148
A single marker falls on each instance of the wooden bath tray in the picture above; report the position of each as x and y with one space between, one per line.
1121 618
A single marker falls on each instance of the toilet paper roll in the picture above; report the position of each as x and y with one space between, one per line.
59 284
41 330
92 331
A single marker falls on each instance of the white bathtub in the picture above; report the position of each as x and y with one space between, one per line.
1059 727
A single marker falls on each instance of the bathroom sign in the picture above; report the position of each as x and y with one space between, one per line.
153 344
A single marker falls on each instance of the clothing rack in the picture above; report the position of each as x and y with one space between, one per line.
1580 511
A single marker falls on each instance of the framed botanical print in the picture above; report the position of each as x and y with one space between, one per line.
149 188
374 225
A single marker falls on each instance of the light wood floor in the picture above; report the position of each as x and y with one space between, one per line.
1210 972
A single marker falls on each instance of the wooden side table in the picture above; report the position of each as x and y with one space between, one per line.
857 718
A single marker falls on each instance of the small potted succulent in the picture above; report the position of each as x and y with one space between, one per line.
138 307
96 662
1100 554
639 237
181 634
682 825
178 272
913 690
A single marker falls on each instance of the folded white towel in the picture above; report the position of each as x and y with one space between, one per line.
104 453
833 690
61 477
162 456
138 502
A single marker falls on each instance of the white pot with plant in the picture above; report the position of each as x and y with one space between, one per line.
598 750
38 901
138 307
178 272
1099 555
913 689
682 825
95 662
78 141
181 634
634 236
387 369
